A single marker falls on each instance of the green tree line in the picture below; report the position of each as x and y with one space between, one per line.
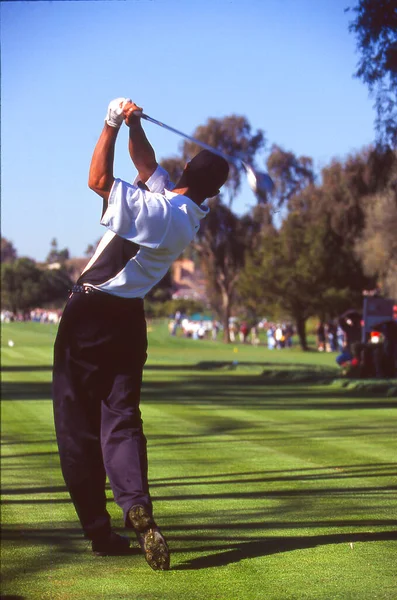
26 284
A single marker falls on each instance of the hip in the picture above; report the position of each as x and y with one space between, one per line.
97 318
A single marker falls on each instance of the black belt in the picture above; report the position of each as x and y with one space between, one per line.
84 289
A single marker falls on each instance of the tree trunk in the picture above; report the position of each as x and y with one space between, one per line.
225 317
301 331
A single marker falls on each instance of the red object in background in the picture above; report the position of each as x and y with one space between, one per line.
375 334
355 362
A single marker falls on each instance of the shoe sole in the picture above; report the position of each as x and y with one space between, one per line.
151 540
156 551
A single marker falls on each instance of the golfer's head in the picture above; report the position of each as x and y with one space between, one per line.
206 173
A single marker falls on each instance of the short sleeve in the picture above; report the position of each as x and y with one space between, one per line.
158 181
137 215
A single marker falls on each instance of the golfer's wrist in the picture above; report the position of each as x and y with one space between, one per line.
110 133
135 124
112 126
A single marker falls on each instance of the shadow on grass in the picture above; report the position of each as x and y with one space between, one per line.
269 546
68 542
29 454
246 391
312 475
60 546
210 365
211 481
25 368
26 390
9 441
65 538
320 474
357 467
292 495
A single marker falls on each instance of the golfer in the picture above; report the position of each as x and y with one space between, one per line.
100 349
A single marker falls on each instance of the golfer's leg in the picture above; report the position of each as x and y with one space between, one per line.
77 425
124 444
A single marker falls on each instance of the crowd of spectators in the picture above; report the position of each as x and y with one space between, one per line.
274 335
330 336
196 328
37 315
279 335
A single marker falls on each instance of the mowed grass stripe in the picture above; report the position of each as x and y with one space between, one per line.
266 486
261 453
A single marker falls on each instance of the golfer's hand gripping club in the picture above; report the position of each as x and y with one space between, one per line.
132 113
115 114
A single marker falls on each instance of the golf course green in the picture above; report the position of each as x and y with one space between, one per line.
271 477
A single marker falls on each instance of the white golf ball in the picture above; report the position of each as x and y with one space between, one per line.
10 343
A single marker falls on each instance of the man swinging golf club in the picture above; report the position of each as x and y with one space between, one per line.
100 349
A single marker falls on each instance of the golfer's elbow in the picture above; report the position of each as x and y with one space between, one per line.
100 185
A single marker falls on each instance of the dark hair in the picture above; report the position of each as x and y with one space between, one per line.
207 172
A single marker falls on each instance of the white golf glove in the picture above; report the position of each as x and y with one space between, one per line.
115 116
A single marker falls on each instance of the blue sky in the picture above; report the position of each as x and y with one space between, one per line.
287 65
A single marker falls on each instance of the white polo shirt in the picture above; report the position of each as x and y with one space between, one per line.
147 232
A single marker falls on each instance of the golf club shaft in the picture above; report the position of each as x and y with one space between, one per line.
230 159
259 182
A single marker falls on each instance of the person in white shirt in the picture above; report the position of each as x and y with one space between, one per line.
101 345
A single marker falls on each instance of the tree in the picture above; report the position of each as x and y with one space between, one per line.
20 285
308 266
54 286
375 27
221 244
291 174
25 286
357 195
282 272
346 184
376 245
55 255
8 252
287 272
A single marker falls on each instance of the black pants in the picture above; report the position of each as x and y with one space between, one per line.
99 355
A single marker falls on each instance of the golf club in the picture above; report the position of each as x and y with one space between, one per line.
260 182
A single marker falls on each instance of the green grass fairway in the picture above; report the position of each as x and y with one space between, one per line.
271 478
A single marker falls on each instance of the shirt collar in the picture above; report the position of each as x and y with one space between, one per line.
199 211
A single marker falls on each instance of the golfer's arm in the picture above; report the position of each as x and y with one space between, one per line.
141 151
101 178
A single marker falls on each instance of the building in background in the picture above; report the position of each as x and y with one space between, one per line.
188 281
